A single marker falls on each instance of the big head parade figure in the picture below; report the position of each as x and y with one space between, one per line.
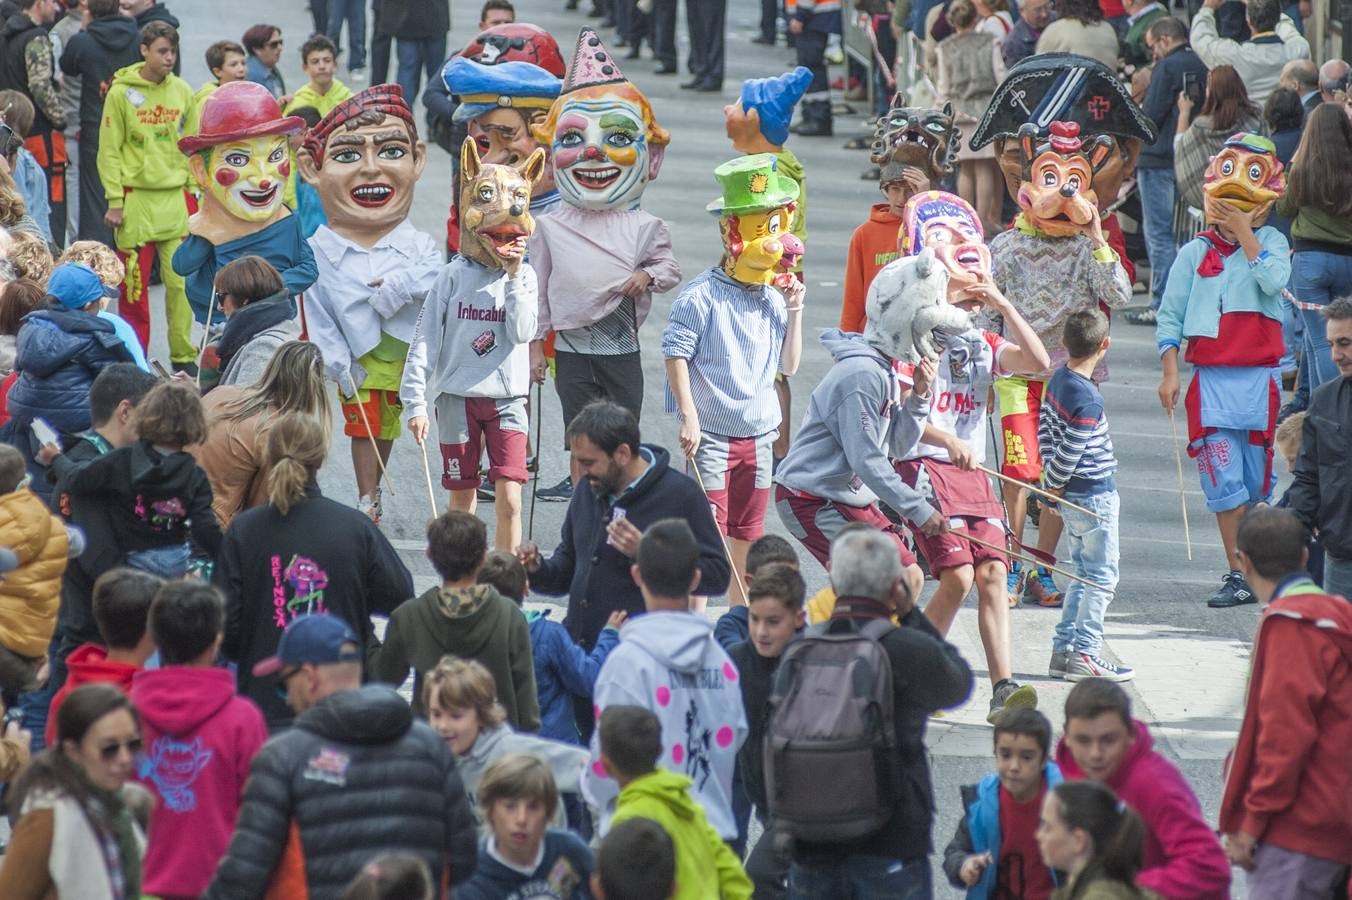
1067 132
598 257
375 268
240 161
1224 297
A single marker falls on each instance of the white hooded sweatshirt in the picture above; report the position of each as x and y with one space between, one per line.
669 662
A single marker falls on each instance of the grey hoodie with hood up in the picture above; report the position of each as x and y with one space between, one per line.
841 452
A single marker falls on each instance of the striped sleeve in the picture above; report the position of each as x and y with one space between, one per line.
1073 434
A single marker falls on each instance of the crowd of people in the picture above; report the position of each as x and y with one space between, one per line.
200 700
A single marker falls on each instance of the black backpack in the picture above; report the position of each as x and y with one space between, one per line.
832 768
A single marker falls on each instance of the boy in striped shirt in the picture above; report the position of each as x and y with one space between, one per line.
1078 464
729 333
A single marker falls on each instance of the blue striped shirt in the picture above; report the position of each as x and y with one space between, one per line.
730 334
1072 433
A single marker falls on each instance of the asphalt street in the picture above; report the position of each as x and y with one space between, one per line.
1191 661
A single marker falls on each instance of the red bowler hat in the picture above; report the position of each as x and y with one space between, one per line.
240 109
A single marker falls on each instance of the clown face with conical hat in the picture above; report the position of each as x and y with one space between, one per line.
240 160
605 143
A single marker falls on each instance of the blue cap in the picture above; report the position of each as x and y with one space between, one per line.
773 99
506 85
75 286
317 639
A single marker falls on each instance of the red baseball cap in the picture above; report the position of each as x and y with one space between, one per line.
239 109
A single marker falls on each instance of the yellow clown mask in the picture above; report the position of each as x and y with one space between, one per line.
753 219
246 178
1245 174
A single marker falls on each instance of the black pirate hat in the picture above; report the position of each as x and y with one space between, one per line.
1063 87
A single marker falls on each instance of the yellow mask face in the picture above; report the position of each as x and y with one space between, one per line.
759 246
247 177
1245 174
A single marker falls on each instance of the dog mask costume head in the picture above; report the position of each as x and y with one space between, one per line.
1056 188
920 137
907 302
753 219
494 205
1245 174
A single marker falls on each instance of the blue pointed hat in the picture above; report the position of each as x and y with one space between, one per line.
773 99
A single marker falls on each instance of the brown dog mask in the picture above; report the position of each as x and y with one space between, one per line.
1056 190
495 205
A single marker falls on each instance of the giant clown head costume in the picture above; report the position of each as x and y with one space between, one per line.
604 141
364 158
240 161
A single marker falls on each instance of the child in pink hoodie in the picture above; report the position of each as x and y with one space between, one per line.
198 737
1102 742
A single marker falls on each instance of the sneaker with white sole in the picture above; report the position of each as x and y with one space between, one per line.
1009 694
1088 665
559 493
1056 668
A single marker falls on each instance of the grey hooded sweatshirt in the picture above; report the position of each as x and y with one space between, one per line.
849 430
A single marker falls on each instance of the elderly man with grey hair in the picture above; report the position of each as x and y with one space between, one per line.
1302 76
928 674
1334 77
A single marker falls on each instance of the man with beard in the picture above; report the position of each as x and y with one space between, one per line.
375 268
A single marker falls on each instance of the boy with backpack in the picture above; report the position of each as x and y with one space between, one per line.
632 741
668 662
775 606
863 837
994 852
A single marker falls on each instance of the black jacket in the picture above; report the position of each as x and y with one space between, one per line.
1161 103
1321 494
321 557
153 499
19 32
595 575
757 676
94 55
359 776
75 619
927 674
421 19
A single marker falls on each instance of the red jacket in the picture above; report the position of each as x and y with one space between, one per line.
872 246
88 664
1183 857
1290 778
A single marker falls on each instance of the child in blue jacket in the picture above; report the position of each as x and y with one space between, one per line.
994 852
564 672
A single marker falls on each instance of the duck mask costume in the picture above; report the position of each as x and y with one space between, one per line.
606 145
1247 175
753 218
1056 185
495 205
918 137
239 159
947 224
364 158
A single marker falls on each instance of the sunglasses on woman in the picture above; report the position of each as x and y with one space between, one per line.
108 752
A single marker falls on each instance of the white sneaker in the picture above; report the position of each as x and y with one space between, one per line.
1086 665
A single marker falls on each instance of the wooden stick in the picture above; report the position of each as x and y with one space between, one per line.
1031 559
366 423
1182 500
206 336
1041 493
539 410
727 549
427 473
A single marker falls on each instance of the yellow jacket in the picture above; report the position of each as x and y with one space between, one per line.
823 603
30 595
324 103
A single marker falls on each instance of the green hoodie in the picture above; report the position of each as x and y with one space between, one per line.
138 140
705 866
192 122
472 623
790 166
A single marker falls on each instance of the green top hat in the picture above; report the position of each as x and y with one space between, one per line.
752 184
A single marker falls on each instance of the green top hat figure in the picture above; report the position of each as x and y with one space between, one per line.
752 184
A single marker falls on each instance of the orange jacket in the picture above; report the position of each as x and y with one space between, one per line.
30 595
872 246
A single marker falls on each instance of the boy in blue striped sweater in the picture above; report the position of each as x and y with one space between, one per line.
1078 464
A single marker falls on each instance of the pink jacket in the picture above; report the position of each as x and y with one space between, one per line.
1183 856
199 739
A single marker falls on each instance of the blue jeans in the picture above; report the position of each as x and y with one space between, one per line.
1094 557
354 13
1318 277
862 878
1337 576
167 562
1157 214
416 57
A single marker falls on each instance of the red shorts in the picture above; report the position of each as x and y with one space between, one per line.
816 522
466 424
968 501
1020 402
736 474
950 551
